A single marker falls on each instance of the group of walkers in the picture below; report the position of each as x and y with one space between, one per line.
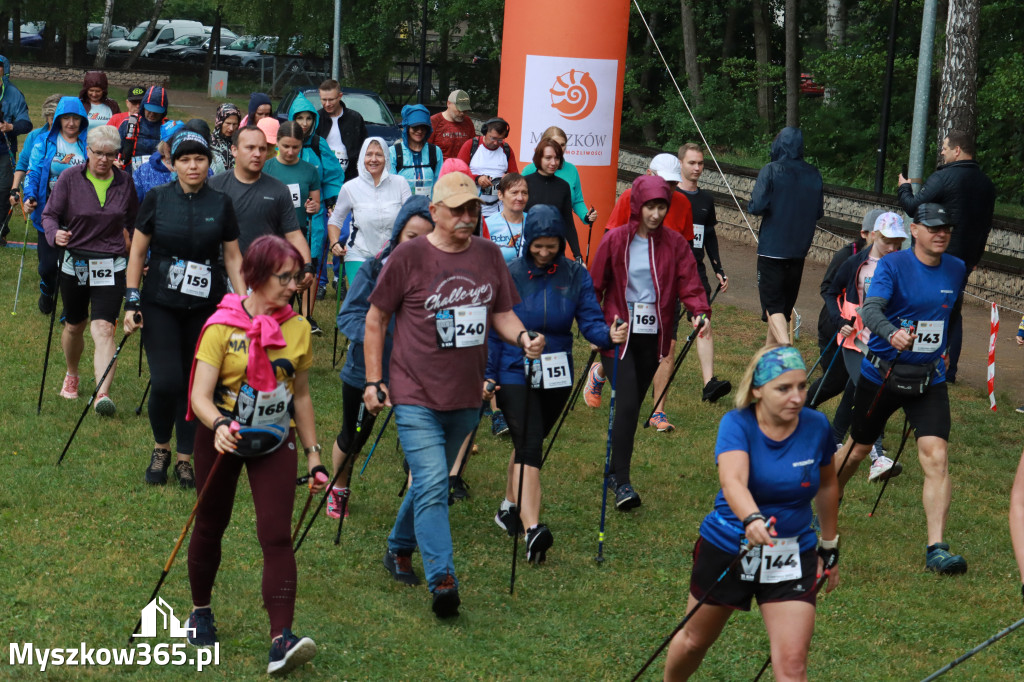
465 279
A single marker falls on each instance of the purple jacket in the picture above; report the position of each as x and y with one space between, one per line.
75 206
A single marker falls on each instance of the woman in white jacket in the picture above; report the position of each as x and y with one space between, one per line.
373 198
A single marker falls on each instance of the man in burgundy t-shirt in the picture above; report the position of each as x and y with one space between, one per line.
445 290
451 127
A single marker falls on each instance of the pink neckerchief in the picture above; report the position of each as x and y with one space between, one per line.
263 331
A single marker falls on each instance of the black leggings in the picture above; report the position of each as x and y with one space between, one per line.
348 440
545 409
635 372
169 336
47 269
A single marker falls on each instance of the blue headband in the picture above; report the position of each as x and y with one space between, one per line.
776 362
187 136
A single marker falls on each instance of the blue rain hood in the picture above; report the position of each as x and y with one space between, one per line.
788 144
415 205
300 104
414 115
72 106
543 221
256 100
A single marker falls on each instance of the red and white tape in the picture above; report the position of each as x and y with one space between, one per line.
992 357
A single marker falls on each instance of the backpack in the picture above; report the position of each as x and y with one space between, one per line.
400 161
475 144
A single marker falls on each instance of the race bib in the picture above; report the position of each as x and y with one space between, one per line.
645 320
259 408
781 562
296 194
101 272
82 272
929 336
342 158
421 190
555 370
198 277
698 236
464 327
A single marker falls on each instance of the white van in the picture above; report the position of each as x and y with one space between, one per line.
165 32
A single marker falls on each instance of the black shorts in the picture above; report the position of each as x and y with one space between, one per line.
734 592
778 284
528 434
348 440
96 303
928 414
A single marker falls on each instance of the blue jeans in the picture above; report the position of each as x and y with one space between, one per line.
431 440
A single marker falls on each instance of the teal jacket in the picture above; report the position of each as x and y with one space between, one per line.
316 152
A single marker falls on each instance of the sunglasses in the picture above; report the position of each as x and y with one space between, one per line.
939 228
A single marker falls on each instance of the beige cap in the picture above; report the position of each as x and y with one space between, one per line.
454 190
461 100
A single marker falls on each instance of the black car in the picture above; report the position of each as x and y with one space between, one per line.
375 113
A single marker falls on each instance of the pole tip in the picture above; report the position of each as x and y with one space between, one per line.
599 559
870 514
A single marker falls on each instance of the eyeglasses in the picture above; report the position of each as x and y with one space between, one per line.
104 155
286 277
934 229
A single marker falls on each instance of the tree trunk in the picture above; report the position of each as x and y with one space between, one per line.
16 35
958 107
762 54
690 51
214 45
158 7
792 65
636 102
101 47
835 23
729 35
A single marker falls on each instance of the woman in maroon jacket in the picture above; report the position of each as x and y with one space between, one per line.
99 107
639 273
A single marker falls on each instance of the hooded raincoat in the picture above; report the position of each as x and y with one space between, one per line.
38 182
14 110
96 79
220 145
421 169
316 152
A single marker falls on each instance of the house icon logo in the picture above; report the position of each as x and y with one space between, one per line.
159 613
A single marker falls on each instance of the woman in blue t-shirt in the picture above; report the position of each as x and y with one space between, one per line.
774 457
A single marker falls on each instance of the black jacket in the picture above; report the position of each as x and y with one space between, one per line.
827 330
554 191
353 132
968 196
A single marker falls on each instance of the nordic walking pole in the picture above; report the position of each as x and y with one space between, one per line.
138 410
679 360
743 552
337 311
984 645
21 268
472 437
820 357
181 538
572 399
49 339
839 351
380 433
95 391
607 457
522 468
320 477
817 588
906 433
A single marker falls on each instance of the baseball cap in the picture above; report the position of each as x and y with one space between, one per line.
136 93
891 225
868 224
460 99
454 190
269 126
168 130
667 167
155 100
932 215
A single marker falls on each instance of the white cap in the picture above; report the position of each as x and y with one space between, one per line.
667 167
891 226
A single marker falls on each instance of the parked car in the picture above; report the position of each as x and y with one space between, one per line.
165 32
368 103
92 35
30 33
177 49
809 87
248 52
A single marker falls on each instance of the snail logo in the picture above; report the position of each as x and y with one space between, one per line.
574 95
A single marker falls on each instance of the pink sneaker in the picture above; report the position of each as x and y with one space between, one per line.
592 392
337 500
70 388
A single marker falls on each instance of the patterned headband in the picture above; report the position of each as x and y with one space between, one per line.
776 362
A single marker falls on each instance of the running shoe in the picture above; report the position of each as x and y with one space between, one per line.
156 473
314 328
507 520
337 500
288 652
592 391
104 405
626 498
70 388
45 304
499 427
400 567
1021 409
321 292
660 422
715 389
940 560
458 489
446 597
183 472
538 542
883 468
201 630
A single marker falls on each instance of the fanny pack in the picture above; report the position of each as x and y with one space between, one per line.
909 380
258 441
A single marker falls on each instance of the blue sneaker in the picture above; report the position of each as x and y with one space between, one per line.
200 623
626 498
288 652
499 427
940 560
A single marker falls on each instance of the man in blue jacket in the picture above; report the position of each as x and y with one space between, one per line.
788 195
14 121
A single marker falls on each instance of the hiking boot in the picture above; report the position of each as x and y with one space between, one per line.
457 489
400 567
70 388
45 304
446 598
314 329
715 389
538 542
592 391
660 421
104 405
883 468
183 472
288 652
156 473
626 498
508 521
939 560
499 427
202 631
321 292
337 502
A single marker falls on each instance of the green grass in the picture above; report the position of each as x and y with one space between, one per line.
83 545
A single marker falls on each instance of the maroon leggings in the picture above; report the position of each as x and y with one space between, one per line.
272 481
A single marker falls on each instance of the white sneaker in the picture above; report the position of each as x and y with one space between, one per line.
875 454
883 468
